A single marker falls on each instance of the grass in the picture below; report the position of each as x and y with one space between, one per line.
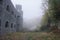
31 36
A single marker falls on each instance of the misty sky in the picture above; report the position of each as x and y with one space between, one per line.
31 8
32 11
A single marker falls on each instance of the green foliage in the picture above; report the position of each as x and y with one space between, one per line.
31 36
45 23
52 15
54 9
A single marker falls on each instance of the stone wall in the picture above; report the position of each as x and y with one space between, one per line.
8 17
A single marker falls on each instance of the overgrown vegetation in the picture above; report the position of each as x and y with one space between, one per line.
51 19
31 36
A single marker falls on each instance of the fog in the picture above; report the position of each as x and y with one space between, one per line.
32 12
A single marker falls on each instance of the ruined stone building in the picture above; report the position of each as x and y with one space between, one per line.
9 17
19 9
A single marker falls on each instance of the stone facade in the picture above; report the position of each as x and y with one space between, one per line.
9 17
19 9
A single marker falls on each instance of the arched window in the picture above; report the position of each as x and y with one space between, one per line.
7 8
6 24
11 25
18 16
0 22
1 1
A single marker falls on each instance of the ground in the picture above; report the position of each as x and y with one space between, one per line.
31 36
